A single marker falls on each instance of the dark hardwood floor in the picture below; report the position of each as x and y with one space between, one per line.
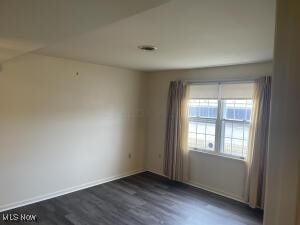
144 198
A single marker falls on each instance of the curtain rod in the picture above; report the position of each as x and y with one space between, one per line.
219 81
236 81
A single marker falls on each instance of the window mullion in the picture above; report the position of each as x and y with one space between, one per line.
219 127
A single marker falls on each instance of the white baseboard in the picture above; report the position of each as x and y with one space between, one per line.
156 172
226 195
200 186
66 191
102 181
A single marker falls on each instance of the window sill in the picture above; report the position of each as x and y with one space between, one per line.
218 155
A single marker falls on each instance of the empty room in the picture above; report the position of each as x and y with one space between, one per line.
148 112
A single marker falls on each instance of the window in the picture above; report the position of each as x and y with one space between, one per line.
219 118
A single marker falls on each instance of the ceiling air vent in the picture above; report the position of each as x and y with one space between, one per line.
147 48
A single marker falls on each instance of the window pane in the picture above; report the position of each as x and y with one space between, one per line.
235 138
203 108
235 126
237 109
202 123
204 137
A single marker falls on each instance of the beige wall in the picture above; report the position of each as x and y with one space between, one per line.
206 171
284 144
59 131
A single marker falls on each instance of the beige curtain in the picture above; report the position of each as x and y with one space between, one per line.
256 160
176 152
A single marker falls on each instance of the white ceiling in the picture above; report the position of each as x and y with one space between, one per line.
188 33
29 25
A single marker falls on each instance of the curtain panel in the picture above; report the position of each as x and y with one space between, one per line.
257 157
176 152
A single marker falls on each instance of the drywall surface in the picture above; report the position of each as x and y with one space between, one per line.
206 171
65 125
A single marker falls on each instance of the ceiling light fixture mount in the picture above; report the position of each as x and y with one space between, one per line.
147 48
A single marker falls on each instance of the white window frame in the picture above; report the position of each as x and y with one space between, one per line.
219 135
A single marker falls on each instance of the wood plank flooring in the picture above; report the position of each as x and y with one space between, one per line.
142 199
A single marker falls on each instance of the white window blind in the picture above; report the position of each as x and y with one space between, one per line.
205 91
223 91
237 91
